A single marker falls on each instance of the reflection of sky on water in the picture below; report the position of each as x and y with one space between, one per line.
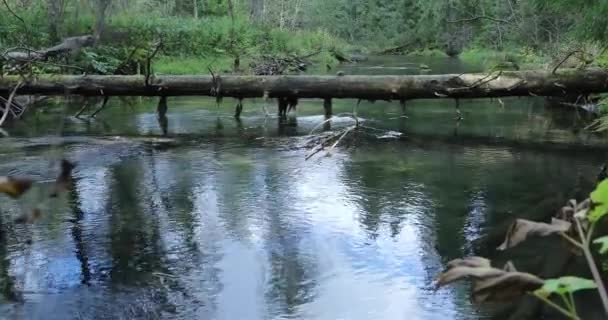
256 232
234 225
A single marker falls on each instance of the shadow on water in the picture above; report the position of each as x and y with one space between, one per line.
197 215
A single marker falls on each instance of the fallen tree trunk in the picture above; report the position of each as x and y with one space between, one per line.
498 84
68 45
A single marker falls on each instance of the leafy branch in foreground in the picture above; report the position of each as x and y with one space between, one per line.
576 224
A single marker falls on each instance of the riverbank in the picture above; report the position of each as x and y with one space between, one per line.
196 46
189 45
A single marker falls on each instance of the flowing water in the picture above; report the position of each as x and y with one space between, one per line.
227 220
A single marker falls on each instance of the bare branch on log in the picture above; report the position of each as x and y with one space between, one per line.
570 54
9 104
103 105
149 58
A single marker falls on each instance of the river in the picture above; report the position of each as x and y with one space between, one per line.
227 220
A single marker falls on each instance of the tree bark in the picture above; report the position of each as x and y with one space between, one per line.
257 8
499 84
100 16
54 8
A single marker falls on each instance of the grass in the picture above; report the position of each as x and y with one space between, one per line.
602 60
191 65
170 65
490 58
190 46
428 53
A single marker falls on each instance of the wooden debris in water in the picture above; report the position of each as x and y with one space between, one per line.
64 179
14 187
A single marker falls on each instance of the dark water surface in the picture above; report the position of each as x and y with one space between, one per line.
226 220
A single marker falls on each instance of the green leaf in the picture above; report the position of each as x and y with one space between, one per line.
599 198
565 285
603 241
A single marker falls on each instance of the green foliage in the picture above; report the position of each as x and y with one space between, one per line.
191 65
189 45
98 62
602 58
603 241
424 27
599 197
565 285
428 53
585 216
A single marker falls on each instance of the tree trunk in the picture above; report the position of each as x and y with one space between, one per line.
257 9
296 13
498 84
195 8
100 16
54 16
282 15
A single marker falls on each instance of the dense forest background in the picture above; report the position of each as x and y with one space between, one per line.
197 33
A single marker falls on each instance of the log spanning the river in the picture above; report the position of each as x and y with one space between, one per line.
496 84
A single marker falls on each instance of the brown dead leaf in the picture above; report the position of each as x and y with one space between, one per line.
64 179
14 187
521 229
490 284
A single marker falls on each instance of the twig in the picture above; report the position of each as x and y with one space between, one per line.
480 18
341 137
556 307
572 241
9 102
21 49
319 125
593 267
478 83
16 16
485 79
118 69
149 61
321 145
85 105
58 64
216 91
103 104
307 55
355 113
570 54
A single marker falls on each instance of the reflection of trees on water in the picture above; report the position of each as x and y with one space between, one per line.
77 234
383 193
134 239
7 282
292 274
233 189
200 269
172 185
466 193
